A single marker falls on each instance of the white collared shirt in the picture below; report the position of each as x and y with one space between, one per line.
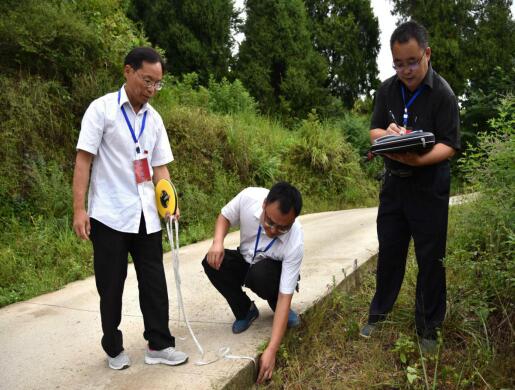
114 198
245 211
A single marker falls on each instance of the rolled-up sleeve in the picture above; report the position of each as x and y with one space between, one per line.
92 127
231 210
162 153
291 266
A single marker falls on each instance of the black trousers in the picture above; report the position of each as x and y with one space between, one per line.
262 278
111 249
417 207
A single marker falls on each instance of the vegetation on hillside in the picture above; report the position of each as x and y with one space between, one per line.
220 141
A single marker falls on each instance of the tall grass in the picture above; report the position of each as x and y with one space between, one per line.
477 343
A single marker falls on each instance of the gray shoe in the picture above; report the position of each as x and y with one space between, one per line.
120 362
367 330
169 356
428 346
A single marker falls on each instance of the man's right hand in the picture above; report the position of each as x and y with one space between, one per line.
81 224
394 129
215 255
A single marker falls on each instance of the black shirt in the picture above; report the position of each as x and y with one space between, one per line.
435 109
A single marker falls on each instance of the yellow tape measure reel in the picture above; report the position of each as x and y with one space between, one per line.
166 197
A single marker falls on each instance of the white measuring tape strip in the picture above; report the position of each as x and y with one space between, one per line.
223 352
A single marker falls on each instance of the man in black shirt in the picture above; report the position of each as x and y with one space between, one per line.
414 196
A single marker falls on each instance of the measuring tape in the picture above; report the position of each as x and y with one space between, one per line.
166 199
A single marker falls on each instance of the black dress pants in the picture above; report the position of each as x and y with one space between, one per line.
417 207
111 249
262 278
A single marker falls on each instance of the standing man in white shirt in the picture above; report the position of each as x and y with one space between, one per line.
267 261
124 138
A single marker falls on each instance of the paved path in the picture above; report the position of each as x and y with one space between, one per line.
53 341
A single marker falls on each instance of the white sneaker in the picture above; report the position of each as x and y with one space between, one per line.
119 362
169 356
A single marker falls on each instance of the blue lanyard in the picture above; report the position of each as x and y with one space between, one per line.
406 106
129 123
257 243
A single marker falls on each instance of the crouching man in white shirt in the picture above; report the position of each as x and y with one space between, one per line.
267 261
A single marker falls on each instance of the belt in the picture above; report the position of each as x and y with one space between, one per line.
400 172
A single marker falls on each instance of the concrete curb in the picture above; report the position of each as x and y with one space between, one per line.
245 378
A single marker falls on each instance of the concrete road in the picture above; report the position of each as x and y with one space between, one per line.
53 341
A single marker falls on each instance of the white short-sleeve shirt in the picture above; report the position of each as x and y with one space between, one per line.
245 211
114 198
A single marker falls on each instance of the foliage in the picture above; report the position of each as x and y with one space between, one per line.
37 128
473 46
481 105
229 97
82 37
49 74
222 97
492 45
277 62
476 344
356 130
196 34
449 24
326 164
346 33
38 255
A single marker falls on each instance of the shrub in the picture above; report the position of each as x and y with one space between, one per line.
326 165
223 97
482 282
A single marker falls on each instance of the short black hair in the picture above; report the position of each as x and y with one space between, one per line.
409 30
288 196
137 55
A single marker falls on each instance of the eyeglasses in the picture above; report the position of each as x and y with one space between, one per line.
410 65
157 85
272 225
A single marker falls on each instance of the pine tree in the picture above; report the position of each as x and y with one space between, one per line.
277 62
195 34
473 48
346 33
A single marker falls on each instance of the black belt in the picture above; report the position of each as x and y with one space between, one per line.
400 172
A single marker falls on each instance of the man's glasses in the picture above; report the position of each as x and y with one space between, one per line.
157 85
272 225
410 65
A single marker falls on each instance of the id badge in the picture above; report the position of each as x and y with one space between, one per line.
142 170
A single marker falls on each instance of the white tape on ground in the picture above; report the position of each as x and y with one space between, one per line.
223 352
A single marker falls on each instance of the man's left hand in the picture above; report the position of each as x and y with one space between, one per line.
177 215
408 158
266 366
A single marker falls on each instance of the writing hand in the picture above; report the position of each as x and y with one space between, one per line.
394 129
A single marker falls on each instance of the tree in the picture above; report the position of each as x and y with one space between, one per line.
492 70
277 62
449 23
492 42
473 45
346 33
195 34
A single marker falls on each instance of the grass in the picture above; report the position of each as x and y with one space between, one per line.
476 349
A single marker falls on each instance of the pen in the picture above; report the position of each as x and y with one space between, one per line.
395 121
393 118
